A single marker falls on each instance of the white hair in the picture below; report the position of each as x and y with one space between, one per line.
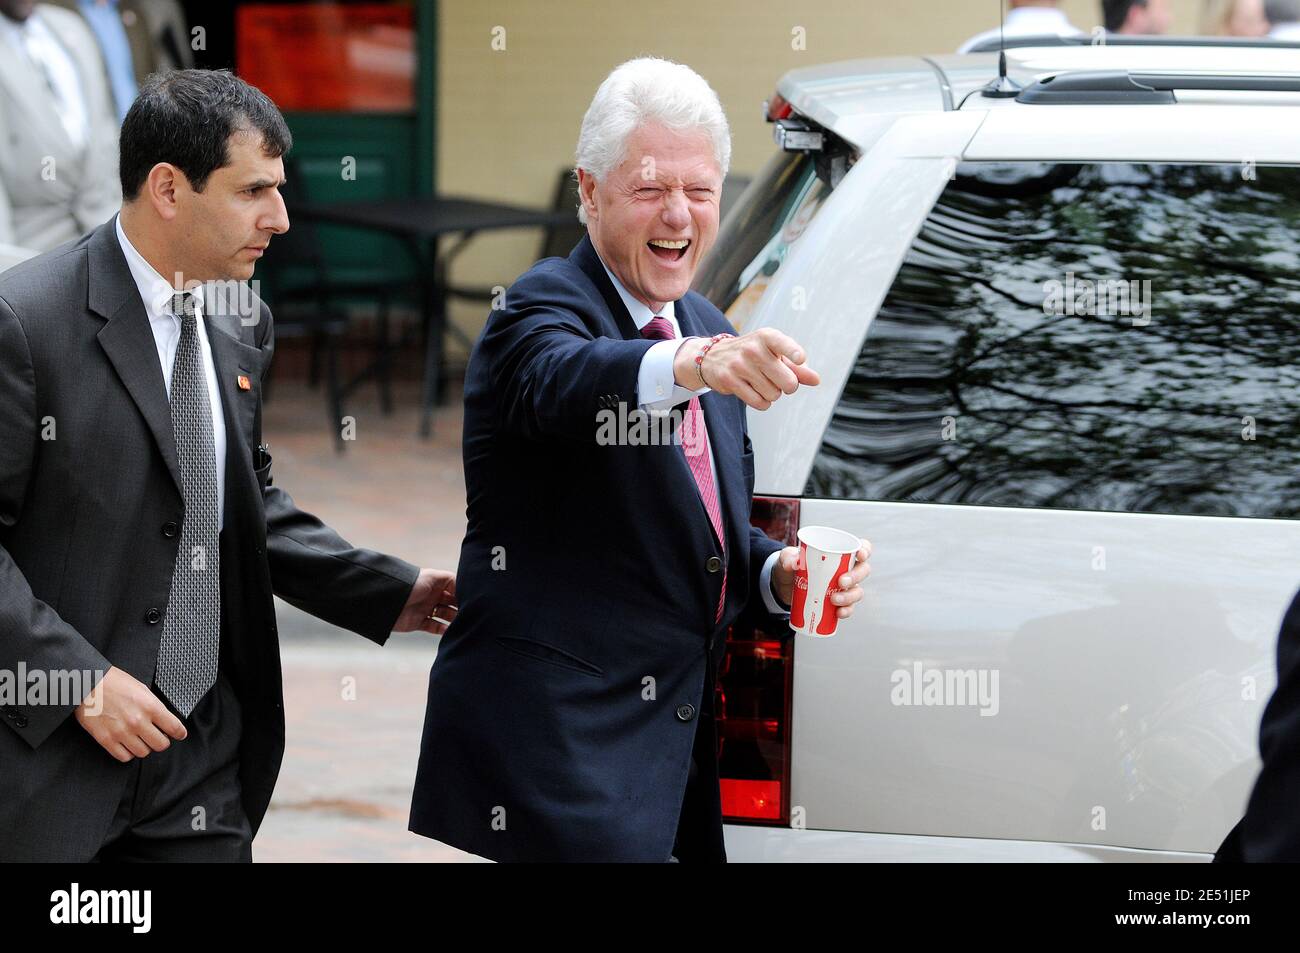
647 89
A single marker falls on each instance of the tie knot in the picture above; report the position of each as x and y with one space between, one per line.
184 305
658 329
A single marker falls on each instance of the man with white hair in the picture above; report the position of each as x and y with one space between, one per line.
609 478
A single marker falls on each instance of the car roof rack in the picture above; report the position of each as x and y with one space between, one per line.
993 44
1141 87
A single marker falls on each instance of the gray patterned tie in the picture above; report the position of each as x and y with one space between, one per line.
187 655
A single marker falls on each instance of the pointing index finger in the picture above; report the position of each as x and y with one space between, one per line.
782 345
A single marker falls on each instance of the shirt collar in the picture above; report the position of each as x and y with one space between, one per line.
639 310
155 290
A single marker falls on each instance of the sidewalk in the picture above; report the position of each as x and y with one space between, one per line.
353 710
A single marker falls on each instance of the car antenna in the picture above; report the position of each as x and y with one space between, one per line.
1004 87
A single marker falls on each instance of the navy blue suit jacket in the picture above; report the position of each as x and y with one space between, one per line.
558 725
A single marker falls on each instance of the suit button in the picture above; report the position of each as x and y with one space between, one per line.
713 564
20 721
170 529
153 616
685 712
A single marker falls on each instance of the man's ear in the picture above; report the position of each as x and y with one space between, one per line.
587 191
160 188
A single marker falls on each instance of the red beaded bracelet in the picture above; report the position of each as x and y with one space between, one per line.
699 358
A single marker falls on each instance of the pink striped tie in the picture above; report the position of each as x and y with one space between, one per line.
661 329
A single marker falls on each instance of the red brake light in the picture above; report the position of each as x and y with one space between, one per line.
778 108
753 701
752 800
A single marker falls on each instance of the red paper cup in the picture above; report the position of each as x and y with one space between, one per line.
825 554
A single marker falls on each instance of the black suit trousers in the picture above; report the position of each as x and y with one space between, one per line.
184 804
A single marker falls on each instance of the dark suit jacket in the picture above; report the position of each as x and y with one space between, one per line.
562 704
1270 831
85 551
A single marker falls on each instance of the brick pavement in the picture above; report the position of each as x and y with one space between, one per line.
354 710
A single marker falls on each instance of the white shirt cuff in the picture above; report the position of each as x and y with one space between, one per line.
656 387
765 586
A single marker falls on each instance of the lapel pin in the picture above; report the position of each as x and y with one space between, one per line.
244 382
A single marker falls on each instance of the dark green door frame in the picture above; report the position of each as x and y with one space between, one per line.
392 155
426 97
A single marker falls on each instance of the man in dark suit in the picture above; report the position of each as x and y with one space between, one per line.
570 707
1270 831
141 537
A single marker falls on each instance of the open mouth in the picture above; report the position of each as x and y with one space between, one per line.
667 250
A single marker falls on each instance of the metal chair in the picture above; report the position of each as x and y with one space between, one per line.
556 241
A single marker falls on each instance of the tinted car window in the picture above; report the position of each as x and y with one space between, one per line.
754 242
1114 336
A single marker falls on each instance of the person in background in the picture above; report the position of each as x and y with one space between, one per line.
171 35
1028 18
124 39
1283 19
1243 18
1136 17
58 156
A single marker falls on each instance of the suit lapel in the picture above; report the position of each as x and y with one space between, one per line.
585 257
719 417
232 359
127 338
128 341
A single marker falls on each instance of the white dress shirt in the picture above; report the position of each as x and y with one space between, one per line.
657 389
1028 21
41 48
156 293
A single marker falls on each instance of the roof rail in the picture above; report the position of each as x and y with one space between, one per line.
993 44
1137 87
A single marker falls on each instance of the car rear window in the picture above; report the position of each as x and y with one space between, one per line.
758 234
1114 336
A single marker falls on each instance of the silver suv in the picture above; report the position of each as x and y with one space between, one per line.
1060 347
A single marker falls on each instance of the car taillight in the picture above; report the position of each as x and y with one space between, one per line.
753 701
777 108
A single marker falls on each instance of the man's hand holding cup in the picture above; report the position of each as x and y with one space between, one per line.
805 578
